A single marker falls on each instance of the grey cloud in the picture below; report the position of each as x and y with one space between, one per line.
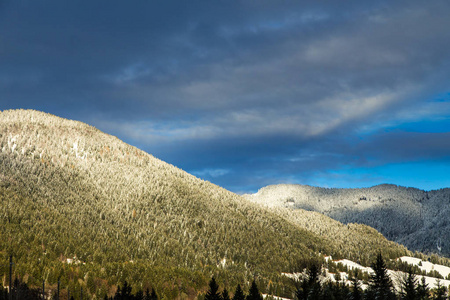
257 89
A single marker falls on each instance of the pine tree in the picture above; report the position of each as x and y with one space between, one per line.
153 295
356 291
409 286
118 295
139 295
238 294
423 291
124 293
254 293
440 291
147 294
310 287
380 285
302 290
213 292
315 292
328 291
225 295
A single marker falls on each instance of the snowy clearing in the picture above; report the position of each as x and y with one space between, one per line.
396 276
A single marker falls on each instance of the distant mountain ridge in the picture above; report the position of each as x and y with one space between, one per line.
415 218
83 206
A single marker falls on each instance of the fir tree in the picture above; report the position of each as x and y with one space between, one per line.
356 291
342 291
213 292
139 295
302 290
225 295
380 285
150 296
254 293
153 295
238 294
315 288
440 291
328 291
124 293
147 294
310 287
423 291
409 286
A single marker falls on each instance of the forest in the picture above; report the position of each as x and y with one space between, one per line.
82 208
309 287
412 217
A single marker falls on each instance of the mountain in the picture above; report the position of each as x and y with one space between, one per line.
81 206
412 217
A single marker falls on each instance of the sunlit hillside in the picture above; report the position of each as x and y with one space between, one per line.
83 206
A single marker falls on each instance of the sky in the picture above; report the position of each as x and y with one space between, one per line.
246 93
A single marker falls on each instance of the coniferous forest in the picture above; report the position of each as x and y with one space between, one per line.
99 218
380 287
418 219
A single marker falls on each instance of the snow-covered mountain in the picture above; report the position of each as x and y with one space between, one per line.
415 218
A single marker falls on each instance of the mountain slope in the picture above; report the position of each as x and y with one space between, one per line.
415 218
83 206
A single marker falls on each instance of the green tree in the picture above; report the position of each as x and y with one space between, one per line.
340 291
423 291
123 293
409 286
310 287
150 296
238 294
153 295
328 291
440 291
356 288
254 293
213 292
139 295
147 294
225 295
380 284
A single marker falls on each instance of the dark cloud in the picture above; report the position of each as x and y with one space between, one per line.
242 93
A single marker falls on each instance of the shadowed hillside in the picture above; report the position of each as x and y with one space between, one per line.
418 219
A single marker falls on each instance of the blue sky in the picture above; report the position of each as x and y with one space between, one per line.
246 93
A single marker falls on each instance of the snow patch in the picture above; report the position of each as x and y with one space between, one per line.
395 275
274 297
426 265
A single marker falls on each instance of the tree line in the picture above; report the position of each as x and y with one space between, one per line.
380 287
310 287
